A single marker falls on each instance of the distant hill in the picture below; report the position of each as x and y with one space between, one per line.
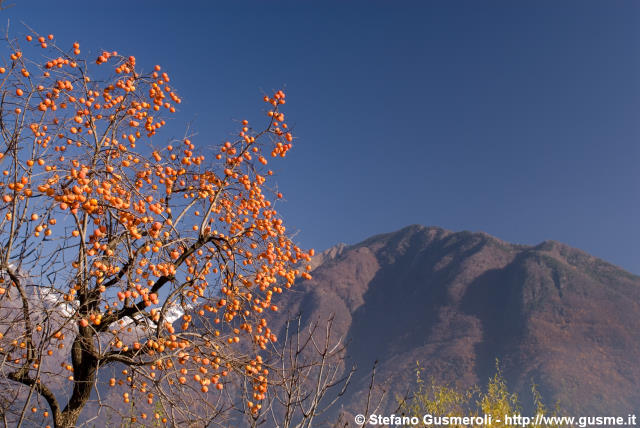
454 302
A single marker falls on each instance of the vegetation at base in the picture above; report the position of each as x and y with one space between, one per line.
495 400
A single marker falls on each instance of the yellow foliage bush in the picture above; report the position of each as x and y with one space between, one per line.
494 401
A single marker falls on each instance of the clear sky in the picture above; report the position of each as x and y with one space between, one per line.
519 119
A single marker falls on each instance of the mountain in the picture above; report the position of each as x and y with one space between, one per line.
455 302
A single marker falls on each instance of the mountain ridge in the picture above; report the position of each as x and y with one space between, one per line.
457 301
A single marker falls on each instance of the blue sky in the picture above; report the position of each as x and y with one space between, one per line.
519 119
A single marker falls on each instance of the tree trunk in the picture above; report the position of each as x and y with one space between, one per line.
85 367
68 418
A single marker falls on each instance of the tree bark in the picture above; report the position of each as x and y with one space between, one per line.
85 366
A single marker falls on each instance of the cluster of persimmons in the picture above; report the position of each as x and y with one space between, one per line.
127 231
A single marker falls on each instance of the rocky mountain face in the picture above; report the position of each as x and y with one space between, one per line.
455 302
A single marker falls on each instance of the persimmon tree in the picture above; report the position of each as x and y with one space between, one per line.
124 254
